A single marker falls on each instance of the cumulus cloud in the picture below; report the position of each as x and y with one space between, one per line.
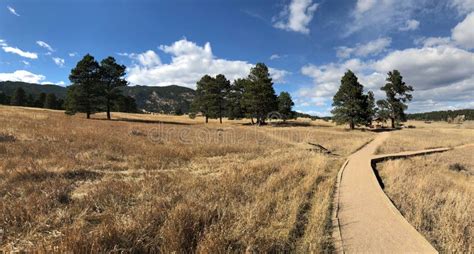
463 33
433 41
44 45
23 76
59 61
20 52
189 62
13 11
296 16
374 47
410 25
440 73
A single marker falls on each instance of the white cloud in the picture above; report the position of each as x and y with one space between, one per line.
72 54
25 62
364 5
22 75
13 11
430 67
20 52
410 25
59 61
463 33
382 16
296 16
433 41
462 6
374 47
439 73
189 62
275 56
147 59
3 43
44 45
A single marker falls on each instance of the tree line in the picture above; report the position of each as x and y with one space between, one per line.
442 115
351 106
253 97
96 87
21 98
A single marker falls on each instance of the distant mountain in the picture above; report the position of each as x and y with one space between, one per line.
166 99
162 99
442 115
9 87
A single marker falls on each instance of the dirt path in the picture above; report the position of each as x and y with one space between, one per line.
367 220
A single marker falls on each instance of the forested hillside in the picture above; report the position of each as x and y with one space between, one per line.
442 115
167 99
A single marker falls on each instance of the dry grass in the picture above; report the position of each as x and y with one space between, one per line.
425 136
435 193
136 185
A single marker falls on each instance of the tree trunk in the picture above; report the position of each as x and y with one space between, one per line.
88 115
251 120
108 109
393 122
352 125
207 119
220 119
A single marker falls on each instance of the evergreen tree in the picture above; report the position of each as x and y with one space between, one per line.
397 95
371 110
222 86
204 100
51 102
40 100
285 104
84 93
350 104
125 104
383 110
4 99
259 98
19 97
30 100
111 79
235 109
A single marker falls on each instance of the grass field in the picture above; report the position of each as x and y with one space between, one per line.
165 184
425 136
435 193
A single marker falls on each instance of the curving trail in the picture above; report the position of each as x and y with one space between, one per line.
366 220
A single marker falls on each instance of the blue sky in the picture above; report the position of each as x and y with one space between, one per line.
308 44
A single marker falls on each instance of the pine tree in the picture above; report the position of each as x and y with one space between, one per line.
371 110
19 97
350 104
40 101
111 79
259 98
204 101
285 104
222 86
235 109
51 101
4 99
84 93
397 95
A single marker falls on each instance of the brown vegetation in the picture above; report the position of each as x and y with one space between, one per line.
426 136
435 194
135 184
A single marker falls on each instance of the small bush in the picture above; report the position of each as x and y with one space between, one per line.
6 137
458 167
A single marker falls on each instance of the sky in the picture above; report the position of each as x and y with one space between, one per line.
307 44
